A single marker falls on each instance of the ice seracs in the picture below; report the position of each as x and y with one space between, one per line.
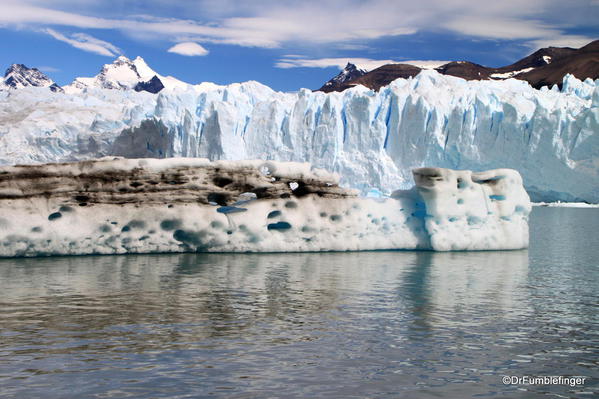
114 206
372 139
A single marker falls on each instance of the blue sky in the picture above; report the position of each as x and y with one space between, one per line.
283 44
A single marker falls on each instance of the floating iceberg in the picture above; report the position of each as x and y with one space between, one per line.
115 206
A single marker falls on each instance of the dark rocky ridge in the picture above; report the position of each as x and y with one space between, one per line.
153 85
549 66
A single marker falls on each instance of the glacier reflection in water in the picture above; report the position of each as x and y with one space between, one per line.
379 324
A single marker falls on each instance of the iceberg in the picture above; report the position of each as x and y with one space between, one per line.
372 139
117 206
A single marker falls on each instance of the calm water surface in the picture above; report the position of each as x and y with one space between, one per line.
333 325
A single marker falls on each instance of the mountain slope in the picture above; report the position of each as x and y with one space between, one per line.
465 70
582 63
539 58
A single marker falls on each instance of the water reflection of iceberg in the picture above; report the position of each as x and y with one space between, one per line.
447 289
437 283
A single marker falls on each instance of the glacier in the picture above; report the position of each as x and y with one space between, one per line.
372 139
117 205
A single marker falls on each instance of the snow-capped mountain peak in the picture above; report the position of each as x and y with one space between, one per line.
125 74
350 72
144 71
18 76
121 74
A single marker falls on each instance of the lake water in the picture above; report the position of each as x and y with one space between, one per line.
318 325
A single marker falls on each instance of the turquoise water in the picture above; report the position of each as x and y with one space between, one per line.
347 325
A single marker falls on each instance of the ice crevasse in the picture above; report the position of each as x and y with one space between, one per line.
372 139
114 206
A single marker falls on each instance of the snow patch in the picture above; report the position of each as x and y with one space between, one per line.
511 74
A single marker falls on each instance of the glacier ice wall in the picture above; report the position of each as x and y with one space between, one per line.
372 139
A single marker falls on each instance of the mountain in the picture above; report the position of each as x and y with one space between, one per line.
379 77
466 70
350 72
582 63
539 58
372 139
126 74
544 67
18 76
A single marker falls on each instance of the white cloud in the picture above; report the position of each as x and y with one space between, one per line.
536 34
48 69
425 64
86 42
345 23
21 13
499 28
363 63
533 32
573 41
188 49
268 27
351 46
